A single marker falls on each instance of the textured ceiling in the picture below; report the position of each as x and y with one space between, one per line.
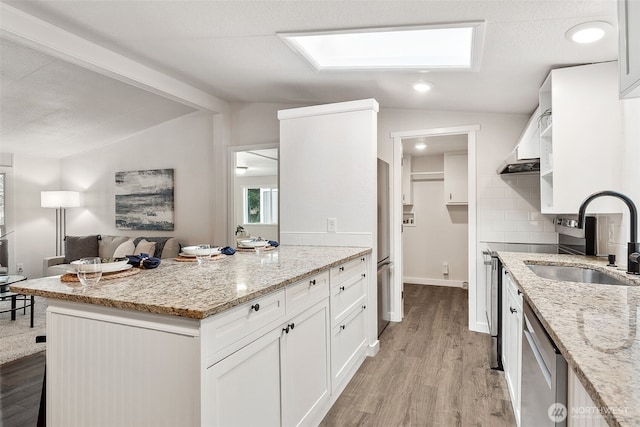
55 109
230 48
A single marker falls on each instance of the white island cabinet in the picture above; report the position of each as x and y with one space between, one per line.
253 344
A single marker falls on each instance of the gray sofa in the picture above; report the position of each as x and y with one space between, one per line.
106 246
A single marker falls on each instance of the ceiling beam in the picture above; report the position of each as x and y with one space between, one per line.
34 32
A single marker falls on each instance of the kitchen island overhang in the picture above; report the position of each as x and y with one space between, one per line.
154 348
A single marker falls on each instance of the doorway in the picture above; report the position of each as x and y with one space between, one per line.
462 133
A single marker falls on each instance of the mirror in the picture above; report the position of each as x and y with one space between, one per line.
254 202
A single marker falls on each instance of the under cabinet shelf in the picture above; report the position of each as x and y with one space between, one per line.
427 176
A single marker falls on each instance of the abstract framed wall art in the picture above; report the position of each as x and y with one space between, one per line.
144 200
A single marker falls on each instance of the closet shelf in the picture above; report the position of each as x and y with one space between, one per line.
427 176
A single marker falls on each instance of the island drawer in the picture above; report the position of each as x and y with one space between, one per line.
343 272
307 292
230 330
346 294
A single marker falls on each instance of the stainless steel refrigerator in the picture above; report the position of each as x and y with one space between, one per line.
384 247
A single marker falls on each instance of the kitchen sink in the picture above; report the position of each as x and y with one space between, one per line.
574 274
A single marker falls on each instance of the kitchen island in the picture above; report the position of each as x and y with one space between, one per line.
594 327
248 339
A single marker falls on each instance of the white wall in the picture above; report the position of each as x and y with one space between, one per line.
439 233
34 237
184 144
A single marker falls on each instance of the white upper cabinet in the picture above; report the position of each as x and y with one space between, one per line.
581 142
629 45
455 179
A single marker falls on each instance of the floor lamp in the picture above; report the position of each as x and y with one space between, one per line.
60 200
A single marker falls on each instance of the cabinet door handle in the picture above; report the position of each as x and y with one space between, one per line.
255 307
289 327
312 282
513 310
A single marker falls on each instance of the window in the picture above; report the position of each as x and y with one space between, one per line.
260 205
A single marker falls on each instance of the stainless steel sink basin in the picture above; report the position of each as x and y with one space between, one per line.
574 274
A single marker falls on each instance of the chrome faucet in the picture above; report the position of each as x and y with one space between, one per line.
633 247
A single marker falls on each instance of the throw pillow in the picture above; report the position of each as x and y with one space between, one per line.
145 247
126 248
77 247
108 245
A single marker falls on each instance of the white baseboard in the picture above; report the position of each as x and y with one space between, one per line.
434 282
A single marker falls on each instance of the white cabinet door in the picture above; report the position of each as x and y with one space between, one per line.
512 370
455 179
305 365
629 45
244 388
407 184
586 110
349 338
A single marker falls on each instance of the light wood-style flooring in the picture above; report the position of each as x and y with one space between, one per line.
430 371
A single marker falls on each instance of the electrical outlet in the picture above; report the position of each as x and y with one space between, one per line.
332 225
19 268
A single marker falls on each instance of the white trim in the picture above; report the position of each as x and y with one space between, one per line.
26 29
336 108
434 282
396 225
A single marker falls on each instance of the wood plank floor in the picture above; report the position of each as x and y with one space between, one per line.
431 371
20 388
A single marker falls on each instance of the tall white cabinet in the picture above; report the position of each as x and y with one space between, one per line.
328 197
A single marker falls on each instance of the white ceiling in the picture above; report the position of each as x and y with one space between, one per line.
259 162
436 145
230 48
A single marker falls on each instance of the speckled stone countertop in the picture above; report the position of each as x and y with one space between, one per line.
188 290
593 325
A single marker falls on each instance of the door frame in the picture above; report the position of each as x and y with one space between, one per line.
397 286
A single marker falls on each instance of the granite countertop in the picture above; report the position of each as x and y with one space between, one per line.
593 325
188 290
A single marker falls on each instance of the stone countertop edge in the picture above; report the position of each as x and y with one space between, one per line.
557 305
130 293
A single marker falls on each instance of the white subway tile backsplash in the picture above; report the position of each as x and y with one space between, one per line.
516 215
509 210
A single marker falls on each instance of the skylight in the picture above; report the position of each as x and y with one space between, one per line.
453 46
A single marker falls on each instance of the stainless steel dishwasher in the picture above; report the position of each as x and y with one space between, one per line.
544 376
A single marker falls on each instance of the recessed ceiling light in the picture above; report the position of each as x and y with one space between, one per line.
422 86
450 46
588 32
420 145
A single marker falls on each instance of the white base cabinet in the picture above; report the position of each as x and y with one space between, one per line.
512 344
279 360
279 379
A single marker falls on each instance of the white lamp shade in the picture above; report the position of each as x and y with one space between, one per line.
59 199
